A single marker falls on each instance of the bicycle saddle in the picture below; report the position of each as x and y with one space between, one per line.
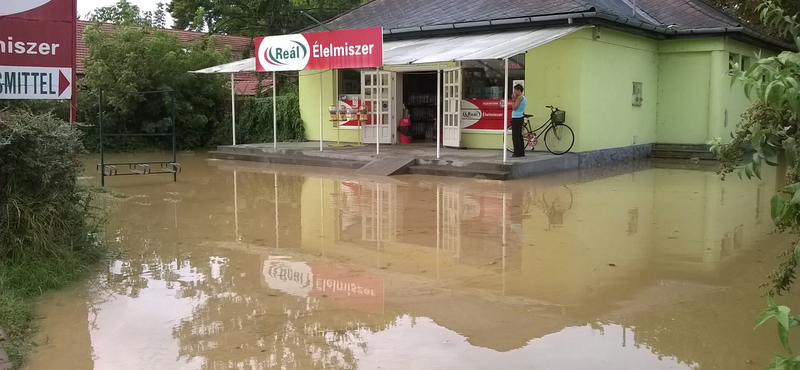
527 115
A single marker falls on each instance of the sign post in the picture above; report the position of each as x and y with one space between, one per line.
37 52
352 48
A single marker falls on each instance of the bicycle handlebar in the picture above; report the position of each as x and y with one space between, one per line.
552 108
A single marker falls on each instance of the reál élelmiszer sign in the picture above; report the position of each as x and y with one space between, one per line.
354 48
36 48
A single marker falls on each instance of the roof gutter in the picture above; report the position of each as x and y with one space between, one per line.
501 22
592 13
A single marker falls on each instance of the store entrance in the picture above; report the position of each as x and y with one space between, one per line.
419 102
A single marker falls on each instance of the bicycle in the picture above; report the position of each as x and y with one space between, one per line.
558 137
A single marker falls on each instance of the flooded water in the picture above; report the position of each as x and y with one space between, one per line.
255 266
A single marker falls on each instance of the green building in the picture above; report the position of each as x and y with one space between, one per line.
629 73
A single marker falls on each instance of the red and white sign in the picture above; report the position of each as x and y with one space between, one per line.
37 48
484 114
354 48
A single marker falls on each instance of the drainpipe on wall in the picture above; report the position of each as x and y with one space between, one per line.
716 104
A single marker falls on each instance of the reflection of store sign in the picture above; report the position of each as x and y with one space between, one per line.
345 288
290 277
483 114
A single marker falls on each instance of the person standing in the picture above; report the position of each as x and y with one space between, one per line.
519 102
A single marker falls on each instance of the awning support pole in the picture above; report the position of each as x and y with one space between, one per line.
505 115
274 111
233 109
320 111
438 112
379 119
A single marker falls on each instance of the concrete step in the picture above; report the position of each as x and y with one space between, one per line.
387 166
479 166
692 147
683 154
288 159
440 170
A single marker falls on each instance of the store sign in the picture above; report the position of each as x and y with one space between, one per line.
484 114
37 48
344 288
354 48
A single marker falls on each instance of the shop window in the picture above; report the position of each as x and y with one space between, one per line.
349 82
484 79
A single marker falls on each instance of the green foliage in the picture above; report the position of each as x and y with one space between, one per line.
254 17
254 120
48 225
748 11
146 59
126 14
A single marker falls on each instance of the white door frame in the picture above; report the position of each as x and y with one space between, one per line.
451 113
369 93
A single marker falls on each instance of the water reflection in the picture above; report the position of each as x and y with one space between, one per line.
250 266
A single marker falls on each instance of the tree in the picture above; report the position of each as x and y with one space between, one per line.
747 11
126 14
139 59
772 126
254 17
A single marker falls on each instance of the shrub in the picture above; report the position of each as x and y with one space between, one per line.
254 121
48 225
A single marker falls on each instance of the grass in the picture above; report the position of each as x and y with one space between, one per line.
23 280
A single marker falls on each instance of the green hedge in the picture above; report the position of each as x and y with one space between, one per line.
254 120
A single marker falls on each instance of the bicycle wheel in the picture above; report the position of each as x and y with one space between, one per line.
528 139
559 139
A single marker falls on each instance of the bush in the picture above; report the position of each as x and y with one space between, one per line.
139 59
48 225
254 121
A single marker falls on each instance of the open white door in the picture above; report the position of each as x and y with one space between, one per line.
370 93
451 115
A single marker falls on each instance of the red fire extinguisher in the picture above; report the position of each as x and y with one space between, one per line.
404 129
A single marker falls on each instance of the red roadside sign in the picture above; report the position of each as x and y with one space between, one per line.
37 48
352 48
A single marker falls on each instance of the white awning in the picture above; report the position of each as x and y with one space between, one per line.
498 45
469 47
244 65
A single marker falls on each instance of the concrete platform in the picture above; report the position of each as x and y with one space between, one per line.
473 163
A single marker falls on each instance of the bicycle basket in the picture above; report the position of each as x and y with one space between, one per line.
559 116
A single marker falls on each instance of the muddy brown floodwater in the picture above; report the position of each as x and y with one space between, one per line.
255 266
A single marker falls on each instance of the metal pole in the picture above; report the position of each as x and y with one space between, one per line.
233 108
235 208
277 227
320 111
505 115
438 110
102 154
380 114
438 229
174 154
504 244
274 111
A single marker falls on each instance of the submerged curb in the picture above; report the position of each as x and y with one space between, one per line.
5 362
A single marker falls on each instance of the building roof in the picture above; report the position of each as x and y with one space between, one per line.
669 17
245 82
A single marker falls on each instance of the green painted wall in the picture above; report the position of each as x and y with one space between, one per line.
610 65
696 101
683 96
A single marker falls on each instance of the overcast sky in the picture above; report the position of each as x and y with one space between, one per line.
86 6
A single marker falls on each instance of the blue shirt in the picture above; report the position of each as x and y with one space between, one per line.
520 111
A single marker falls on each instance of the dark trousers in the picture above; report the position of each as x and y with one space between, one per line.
516 136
